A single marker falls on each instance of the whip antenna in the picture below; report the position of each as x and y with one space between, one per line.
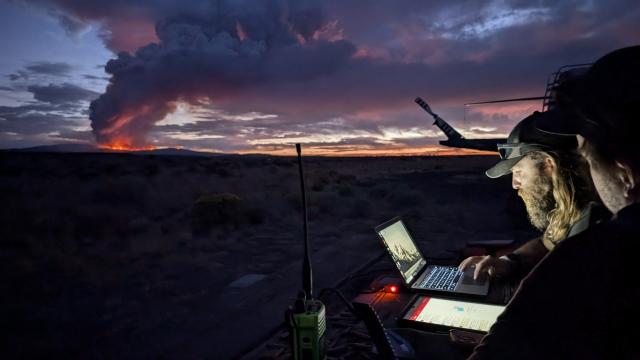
307 274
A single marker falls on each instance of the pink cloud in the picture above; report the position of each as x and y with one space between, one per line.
123 34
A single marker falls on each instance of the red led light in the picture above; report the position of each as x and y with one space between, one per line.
393 288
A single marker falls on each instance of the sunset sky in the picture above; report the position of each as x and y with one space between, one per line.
244 76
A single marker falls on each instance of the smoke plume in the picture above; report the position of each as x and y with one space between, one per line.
213 55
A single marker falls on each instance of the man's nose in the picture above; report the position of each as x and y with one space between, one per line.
515 182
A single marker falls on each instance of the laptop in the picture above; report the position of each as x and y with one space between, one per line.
420 276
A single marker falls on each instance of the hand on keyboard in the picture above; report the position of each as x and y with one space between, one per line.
491 265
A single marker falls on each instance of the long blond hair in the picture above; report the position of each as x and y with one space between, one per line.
572 191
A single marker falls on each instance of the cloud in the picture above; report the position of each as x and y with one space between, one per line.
20 74
33 120
42 70
62 93
93 77
73 26
197 57
37 123
50 68
312 62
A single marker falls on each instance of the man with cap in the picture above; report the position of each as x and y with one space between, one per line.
552 180
582 300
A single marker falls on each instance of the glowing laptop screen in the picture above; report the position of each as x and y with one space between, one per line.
403 250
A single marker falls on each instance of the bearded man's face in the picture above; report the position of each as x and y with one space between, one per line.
536 190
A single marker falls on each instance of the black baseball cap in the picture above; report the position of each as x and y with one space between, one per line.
526 138
603 105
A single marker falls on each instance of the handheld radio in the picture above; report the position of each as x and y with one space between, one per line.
307 318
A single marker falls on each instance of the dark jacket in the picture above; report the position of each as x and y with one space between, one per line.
581 301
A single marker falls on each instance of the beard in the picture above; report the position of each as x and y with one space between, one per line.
539 201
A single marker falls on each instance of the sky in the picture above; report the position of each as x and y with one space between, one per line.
257 76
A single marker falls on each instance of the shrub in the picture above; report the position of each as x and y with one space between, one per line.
223 209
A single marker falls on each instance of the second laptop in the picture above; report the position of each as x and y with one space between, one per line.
416 273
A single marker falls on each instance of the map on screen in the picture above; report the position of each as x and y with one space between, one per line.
454 313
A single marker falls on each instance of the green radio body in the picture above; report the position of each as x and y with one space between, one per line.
308 330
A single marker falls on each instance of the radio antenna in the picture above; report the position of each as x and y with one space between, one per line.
307 317
307 274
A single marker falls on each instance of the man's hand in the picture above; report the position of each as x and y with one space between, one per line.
498 267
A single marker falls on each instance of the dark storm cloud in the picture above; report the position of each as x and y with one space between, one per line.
50 68
133 15
61 93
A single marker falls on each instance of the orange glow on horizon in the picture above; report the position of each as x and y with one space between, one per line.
124 145
121 138
381 152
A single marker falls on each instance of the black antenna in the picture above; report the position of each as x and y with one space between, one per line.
307 275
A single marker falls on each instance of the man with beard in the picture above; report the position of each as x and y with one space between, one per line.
552 180
581 301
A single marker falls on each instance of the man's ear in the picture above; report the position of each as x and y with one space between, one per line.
627 177
549 165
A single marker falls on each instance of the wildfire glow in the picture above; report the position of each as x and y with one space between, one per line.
351 151
119 135
124 145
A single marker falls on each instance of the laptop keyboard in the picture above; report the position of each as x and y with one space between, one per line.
441 278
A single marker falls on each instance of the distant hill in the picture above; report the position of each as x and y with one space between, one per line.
60 148
88 148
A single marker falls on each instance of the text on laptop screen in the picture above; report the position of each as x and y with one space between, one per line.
453 313
403 250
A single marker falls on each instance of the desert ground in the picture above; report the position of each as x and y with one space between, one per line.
130 256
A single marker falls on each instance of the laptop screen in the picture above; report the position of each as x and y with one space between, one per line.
403 250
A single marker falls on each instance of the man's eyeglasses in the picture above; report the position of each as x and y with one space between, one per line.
511 150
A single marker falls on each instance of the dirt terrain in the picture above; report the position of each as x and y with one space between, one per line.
129 256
